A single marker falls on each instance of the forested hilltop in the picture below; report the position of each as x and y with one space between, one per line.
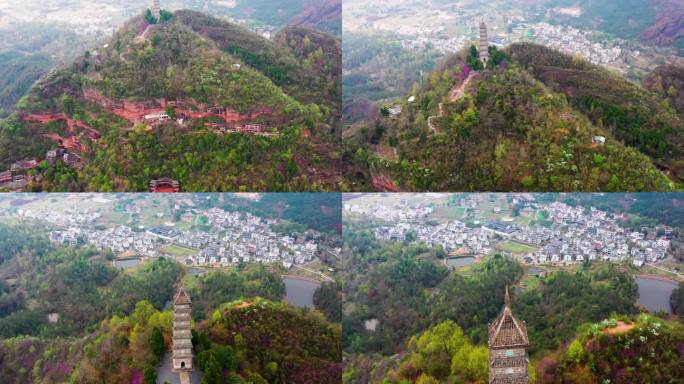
533 120
410 319
188 97
67 315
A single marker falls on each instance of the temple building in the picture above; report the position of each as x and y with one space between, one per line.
165 185
508 343
484 43
182 338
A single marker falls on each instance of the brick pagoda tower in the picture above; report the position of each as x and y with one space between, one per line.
484 43
508 342
156 10
182 338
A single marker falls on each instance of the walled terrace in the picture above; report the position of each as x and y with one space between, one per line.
155 112
74 127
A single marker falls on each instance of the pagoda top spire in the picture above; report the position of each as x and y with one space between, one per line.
507 330
181 296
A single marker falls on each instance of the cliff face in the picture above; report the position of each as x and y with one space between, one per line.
669 23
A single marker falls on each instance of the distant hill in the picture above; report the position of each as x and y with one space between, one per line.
654 22
325 15
626 19
668 82
668 28
27 52
537 120
193 98
634 115
18 72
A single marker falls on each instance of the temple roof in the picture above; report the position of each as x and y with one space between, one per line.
181 297
507 330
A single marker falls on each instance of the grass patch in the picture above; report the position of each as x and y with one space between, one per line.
515 247
176 250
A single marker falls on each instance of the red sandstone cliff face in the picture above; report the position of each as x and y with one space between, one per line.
669 23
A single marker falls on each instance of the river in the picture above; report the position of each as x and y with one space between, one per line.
300 292
655 294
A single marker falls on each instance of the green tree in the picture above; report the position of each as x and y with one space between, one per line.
149 17
212 370
473 52
150 375
672 91
426 379
171 111
157 343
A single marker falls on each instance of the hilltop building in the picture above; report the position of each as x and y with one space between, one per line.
182 338
484 43
508 343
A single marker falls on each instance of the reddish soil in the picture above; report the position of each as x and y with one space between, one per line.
73 127
621 328
244 304
135 112
384 183
70 142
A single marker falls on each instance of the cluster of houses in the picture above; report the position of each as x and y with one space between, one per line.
230 238
575 234
244 237
454 237
82 217
591 234
401 212
574 41
119 240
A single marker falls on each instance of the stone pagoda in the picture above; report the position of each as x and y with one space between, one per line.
484 43
508 343
182 338
156 10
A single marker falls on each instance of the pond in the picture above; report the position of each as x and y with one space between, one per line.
195 271
655 294
127 263
300 292
455 262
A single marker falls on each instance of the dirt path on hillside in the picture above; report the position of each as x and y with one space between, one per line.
454 94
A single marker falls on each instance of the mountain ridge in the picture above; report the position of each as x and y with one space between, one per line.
168 74
513 130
